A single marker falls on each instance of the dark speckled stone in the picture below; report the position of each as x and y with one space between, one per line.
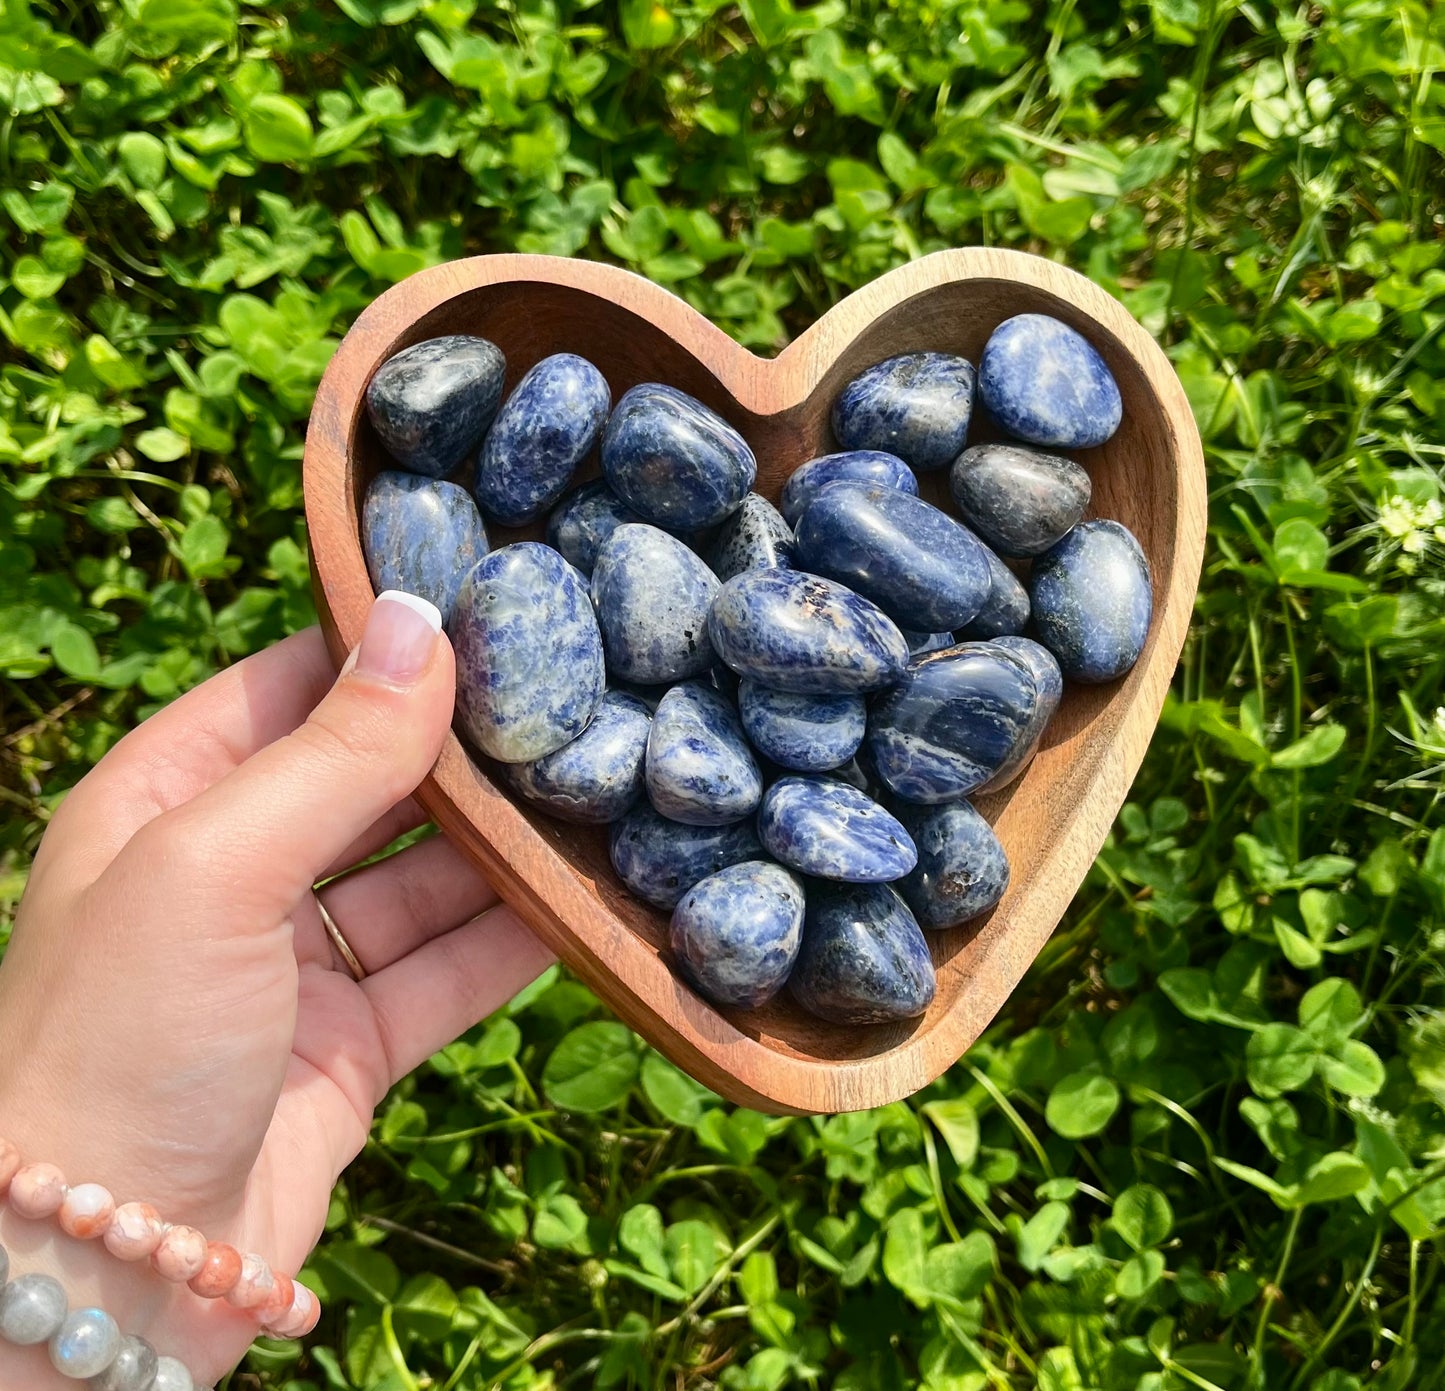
545 429
808 733
1006 610
1092 601
700 770
952 721
916 563
431 403
736 933
420 535
1045 383
755 537
863 959
583 520
652 596
1049 686
1019 499
916 406
598 776
852 465
962 870
797 632
830 830
671 459
529 656
660 860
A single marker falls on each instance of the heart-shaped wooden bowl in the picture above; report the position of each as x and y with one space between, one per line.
1150 476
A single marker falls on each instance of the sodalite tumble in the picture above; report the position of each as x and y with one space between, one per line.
916 563
755 537
1020 500
1045 383
673 461
916 406
1092 601
830 830
864 959
951 722
583 520
529 656
1006 610
545 429
599 775
652 596
807 733
420 535
660 860
797 632
852 465
431 403
736 933
919 643
962 870
1049 684
700 770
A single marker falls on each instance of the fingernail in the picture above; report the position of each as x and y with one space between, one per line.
401 631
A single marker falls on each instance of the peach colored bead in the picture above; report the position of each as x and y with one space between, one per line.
304 1315
283 1292
254 1286
134 1232
86 1211
9 1165
37 1190
180 1254
219 1274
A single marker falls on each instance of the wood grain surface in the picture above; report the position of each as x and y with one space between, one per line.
1051 821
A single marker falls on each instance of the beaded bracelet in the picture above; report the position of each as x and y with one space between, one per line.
284 1307
85 1344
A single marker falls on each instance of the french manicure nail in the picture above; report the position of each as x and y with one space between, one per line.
401 631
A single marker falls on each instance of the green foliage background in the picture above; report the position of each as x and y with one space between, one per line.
1204 1146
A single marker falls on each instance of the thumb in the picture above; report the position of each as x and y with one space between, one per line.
255 842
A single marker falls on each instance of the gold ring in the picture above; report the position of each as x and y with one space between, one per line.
343 947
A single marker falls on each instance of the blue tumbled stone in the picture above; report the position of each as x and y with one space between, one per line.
1019 499
827 828
755 537
420 535
951 723
808 733
736 933
916 406
1049 689
583 520
528 653
674 461
919 643
599 775
916 563
544 430
852 466
652 596
1092 601
431 403
1006 610
962 870
1045 383
700 770
864 959
798 632
660 860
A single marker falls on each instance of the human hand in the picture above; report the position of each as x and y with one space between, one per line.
174 1021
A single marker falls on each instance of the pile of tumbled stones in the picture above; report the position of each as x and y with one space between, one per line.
782 711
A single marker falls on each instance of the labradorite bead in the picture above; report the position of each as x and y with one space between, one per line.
85 1345
32 1308
134 1368
172 1376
